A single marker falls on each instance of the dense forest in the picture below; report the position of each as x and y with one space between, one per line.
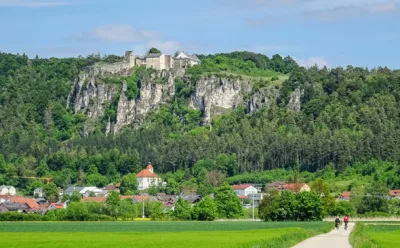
348 117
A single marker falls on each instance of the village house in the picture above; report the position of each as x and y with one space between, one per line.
86 191
293 187
38 193
244 189
193 199
147 178
344 196
7 190
112 187
13 206
55 206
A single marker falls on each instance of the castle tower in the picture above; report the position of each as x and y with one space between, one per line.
130 57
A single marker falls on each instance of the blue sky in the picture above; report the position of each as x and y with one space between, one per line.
323 32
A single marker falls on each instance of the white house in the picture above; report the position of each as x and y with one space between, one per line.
38 193
86 191
147 178
192 59
7 190
244 189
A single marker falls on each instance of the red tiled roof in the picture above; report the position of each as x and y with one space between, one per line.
110 187
146 173
242 197
395 192
149 167
345 195
57 205
29 201
241 186
94 199
293 186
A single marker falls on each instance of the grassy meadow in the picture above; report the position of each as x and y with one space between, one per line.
386 235
155 234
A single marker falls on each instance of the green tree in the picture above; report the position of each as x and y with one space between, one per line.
76 196
309 206
269 206
51 192
77 211
113 199
287 206
375 199
126 210
182 210
206 209
228 203
154 50
97 180
344 208
129 183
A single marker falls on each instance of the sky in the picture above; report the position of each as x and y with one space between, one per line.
324 32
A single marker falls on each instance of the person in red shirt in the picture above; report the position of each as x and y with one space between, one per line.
346 221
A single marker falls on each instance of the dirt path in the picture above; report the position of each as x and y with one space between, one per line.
333 239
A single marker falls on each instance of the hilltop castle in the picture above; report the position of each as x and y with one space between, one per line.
158 61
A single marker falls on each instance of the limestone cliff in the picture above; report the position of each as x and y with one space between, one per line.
213 95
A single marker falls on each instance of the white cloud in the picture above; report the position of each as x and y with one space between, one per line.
30 3
123 33
117 33
319 61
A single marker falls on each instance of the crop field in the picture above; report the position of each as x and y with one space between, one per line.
147 234
386 235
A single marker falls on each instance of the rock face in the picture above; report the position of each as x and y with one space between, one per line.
212 96
263 99
215 95
295 100
151 96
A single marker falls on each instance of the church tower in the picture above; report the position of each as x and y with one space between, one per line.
130 58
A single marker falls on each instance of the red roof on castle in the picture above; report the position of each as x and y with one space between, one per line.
147 172
241 186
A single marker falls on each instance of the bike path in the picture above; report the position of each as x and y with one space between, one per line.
333 239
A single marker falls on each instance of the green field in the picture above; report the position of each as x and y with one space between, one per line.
148 234
387 236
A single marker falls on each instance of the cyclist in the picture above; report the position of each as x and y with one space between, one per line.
346 221
337 221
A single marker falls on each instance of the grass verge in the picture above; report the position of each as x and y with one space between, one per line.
359 237
290 239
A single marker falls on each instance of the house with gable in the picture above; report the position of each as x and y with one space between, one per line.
244 189
147 178
7 190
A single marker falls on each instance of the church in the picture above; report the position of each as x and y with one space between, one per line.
147 178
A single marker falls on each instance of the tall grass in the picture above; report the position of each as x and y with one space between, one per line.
290 239
359 237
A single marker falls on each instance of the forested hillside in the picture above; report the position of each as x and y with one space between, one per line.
347 116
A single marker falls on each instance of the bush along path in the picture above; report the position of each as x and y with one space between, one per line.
334 239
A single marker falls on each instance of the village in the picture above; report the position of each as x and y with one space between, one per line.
249 194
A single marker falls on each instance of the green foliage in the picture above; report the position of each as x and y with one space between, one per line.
97 180
182 210
154 50
77 211
206 209
359 237
129 183
76 196
228 204
51 192
309 206
375 200
269 206
343 208
113 199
